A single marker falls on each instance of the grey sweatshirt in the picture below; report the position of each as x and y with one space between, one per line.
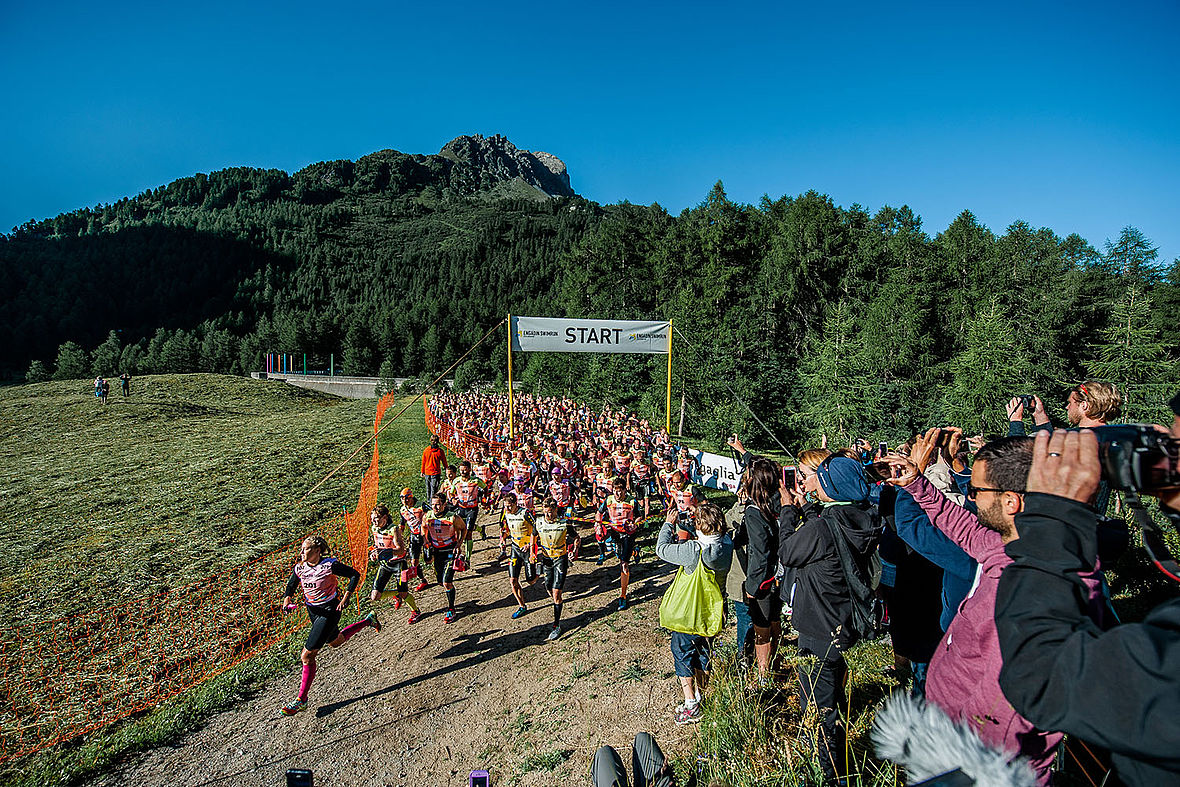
688 553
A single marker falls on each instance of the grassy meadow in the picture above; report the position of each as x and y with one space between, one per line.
190 475
187 476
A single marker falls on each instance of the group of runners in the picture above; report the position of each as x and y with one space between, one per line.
574 474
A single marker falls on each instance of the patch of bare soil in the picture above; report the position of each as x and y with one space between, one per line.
423 706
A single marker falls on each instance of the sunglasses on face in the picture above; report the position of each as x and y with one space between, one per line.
972 491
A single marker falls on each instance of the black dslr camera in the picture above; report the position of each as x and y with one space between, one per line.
1028 402
1140 459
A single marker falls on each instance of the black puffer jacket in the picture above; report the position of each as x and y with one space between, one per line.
1118 688
761 544
822 612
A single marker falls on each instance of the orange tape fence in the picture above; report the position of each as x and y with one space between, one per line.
73 675
460 443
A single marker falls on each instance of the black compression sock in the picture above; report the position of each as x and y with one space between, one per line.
556 614
451 599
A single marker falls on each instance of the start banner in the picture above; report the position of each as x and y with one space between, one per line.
568 335
713 471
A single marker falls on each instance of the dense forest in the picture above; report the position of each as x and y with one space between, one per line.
822 318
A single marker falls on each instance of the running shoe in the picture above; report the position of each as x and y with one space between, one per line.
293 707
554 634
449 617
421 586
397 602
601 559
622 604
519 612
688 715
414 617
372 620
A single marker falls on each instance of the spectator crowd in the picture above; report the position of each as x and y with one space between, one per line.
984 559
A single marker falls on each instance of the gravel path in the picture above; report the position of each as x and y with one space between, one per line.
423 706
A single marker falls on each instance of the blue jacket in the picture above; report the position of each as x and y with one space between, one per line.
958 568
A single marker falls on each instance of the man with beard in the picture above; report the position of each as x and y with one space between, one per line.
964 672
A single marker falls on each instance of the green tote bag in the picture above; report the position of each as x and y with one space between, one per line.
693 605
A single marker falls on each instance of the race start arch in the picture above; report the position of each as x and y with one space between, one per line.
570 335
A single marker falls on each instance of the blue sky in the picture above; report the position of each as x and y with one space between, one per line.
1063 115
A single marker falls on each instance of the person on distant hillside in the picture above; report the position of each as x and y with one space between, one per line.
445 533
318 576
619 512
389 553
98 389
434 462
125 383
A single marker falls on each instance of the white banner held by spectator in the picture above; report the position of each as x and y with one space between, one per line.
713 471
568 335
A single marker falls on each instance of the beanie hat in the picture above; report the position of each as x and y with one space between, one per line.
842 479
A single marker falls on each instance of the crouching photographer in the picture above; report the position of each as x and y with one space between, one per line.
1118 688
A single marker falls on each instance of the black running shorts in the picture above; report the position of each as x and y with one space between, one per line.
325 624
624 545
554 569
444 565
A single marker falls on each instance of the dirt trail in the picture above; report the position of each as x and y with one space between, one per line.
423 706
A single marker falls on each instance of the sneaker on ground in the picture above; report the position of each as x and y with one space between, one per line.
554 634
519 612
622 603
397 603
415 616
449 617
421 586
688 715
600 560
372 619
293 707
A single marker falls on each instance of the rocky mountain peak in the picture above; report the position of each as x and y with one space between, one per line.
497 156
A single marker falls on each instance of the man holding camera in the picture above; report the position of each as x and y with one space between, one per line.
963 678
1119 688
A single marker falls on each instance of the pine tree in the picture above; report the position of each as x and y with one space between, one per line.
834 385
37 373
989 370
1132 356
72 363
106 356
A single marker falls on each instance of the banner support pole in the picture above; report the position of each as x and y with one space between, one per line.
668 395
511 421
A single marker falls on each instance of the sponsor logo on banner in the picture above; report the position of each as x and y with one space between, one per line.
713 471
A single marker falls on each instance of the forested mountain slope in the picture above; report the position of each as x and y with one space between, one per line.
825 318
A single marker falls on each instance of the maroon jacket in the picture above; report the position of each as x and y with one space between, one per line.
964 676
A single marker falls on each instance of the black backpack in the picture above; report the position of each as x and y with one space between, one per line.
862 581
